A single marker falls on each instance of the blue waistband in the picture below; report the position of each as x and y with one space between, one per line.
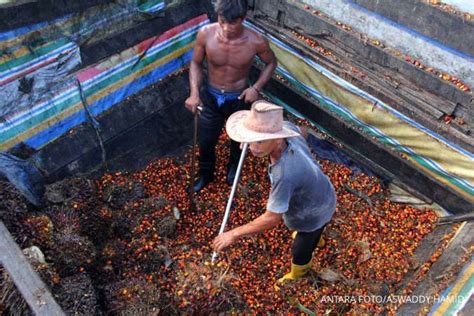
222 97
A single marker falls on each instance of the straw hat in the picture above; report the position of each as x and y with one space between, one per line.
264 121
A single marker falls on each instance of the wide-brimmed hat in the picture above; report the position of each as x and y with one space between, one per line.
264 121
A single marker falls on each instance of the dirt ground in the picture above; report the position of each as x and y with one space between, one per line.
130 244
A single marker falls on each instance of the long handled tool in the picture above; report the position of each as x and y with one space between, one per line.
193 159
231 197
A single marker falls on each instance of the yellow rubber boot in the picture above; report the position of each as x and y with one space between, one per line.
321 241
297 272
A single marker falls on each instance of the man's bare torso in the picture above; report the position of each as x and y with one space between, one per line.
229 61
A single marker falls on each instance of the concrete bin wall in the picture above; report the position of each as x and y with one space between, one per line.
450 53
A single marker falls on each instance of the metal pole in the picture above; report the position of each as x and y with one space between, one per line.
231 197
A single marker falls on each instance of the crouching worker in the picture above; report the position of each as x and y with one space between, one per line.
301 194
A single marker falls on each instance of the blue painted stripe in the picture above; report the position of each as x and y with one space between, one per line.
141 83
402 27
363 94
155 8
448 290
23 30
60 128
87 84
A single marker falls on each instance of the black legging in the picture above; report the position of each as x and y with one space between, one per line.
211 122
304 245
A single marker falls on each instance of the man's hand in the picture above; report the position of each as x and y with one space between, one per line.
265 221
223 240
192 103
249 95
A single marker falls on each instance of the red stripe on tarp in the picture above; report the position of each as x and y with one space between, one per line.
27 71
33 68
143 46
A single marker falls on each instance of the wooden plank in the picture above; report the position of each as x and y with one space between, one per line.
296 16
27 281
456 218
450 29
467 310
422 254
403 96
338 128
404 89
446 264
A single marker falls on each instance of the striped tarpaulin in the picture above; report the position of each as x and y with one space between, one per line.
27 62
104 85
456 296
35 59
446 162
151 6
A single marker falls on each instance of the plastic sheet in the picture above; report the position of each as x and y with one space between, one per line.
24 176
327 151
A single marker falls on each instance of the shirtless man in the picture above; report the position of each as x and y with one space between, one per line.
229 49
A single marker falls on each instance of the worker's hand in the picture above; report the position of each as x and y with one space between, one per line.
223 240
249 95
192 103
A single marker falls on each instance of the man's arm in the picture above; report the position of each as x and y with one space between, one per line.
263 51
196 72
264 222
268 57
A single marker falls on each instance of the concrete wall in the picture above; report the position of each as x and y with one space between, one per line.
429 51
452 30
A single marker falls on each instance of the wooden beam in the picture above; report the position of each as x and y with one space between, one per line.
456 218
446 265
353 140
385 83
27 281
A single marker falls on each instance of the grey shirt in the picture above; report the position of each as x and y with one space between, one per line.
299 189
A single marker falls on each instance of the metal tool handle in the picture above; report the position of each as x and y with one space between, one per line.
232 192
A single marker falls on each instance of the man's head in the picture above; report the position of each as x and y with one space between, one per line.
262 127
230 15
231 10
